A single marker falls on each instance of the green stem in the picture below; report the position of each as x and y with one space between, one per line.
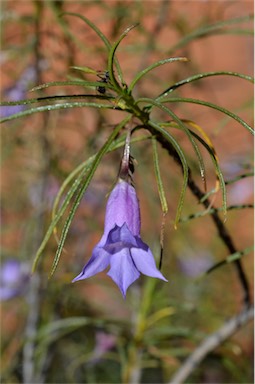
132 368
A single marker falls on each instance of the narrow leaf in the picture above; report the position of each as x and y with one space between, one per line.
80 83
161 191
154 65
204 75
84 69
220 179
219 173
61 211
183 160
207 30
111 59
210 105
92 26
55 107
185 129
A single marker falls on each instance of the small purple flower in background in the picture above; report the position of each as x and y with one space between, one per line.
18 92
14 279
193 265
121 246
104 343
241 192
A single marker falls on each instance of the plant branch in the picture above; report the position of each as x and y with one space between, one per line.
219 224
211 343
225 237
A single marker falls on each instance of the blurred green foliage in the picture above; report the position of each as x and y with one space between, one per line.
59 165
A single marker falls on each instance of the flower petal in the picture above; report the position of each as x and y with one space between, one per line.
123 207
97 263
145 263
119 238
123 271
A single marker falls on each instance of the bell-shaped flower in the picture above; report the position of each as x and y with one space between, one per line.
121 246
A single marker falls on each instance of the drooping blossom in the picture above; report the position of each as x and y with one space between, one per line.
121 246
14 279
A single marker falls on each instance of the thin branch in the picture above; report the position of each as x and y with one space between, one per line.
222 229
225 237
34 297
211 343
28 366
211 211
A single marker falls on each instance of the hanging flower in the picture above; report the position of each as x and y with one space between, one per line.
121 246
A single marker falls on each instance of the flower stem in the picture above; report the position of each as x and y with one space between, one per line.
125 161
132 369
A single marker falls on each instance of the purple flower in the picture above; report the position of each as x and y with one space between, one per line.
193 265
18 92
241 192
121 246
14 278
13 94
104 343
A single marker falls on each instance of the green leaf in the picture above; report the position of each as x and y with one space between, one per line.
80 83
111 59
158 315
55 107
154 65
204 75
219 173
54 98
92 26
206 142
161 191
84 169
185 129
208 30
182 157
210 105
54 330
102 37
84 69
